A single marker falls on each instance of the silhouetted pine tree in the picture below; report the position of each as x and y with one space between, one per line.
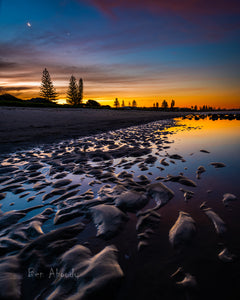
116 103
80 91
164 104
47 90
123 104
172 104
134 103
72 93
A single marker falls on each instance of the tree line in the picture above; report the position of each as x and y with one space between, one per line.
75 95
74 92
133 104
116 103
164 104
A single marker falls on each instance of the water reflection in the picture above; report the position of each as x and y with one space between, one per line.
72 177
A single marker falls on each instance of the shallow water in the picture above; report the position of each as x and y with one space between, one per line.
147 272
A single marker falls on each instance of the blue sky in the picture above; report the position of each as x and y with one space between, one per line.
135 49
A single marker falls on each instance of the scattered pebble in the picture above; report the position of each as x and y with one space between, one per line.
218 165
204 151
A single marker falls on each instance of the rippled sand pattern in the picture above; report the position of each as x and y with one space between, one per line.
114 215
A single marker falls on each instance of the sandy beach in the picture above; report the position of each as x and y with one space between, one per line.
25 127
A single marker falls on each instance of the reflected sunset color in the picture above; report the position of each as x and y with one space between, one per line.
221 137
141 180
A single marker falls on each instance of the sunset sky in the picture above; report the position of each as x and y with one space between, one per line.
147 50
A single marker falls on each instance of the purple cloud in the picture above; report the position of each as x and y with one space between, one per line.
184 7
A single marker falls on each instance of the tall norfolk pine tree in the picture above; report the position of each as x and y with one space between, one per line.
47 90
72 93
80 91
75 91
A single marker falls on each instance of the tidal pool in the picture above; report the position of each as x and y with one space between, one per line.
118 195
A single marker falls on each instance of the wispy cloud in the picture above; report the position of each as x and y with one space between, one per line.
7 89
184 7
193 21
6 65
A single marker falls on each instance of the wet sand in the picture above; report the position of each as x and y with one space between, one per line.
89 219
26 127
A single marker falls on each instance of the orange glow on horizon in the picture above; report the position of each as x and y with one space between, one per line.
147 98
